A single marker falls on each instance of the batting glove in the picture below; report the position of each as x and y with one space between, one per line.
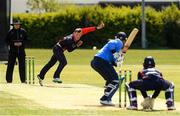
120 59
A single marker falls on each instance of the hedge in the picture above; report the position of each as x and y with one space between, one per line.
44 29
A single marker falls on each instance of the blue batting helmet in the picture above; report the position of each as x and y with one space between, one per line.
121 35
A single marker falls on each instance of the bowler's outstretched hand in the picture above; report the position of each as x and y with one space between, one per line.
100 26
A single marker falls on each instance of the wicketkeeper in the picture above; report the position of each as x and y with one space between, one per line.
69 43
150 79
103 63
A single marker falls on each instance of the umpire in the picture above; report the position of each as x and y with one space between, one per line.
15 40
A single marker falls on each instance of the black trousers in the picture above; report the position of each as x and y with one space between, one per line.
58 55
105 69
148 84
11 62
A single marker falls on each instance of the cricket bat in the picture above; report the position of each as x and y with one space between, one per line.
130 39
127 45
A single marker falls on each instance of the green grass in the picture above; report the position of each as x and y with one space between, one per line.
78 70
15 105
83 57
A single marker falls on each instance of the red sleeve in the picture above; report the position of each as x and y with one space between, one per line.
140 75
88 30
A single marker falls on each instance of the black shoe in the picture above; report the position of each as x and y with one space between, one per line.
24 82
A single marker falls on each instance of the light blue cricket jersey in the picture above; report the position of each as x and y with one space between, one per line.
106 52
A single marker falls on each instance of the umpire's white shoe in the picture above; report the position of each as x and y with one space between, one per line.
106 103
40 80
132 108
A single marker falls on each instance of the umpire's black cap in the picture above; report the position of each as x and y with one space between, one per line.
16 22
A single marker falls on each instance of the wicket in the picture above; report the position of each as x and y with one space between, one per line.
127 75
30 69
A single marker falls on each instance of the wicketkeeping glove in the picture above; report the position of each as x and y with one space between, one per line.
148 103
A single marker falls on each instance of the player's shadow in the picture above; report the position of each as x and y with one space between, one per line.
52 86
117 107
98 106
154 110
60 86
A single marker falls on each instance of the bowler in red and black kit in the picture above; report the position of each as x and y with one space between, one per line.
69 43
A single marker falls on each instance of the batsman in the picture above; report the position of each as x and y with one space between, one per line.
112 54
103 63
150 79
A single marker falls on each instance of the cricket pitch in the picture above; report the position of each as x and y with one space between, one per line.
70 96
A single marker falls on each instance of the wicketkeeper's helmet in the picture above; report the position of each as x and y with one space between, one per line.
149 62
121 35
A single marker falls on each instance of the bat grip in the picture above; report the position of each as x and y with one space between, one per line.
124 50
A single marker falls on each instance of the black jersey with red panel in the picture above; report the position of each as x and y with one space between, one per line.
68 43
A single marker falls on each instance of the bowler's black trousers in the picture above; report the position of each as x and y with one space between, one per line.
58 55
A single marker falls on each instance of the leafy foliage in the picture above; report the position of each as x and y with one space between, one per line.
171 21
162 26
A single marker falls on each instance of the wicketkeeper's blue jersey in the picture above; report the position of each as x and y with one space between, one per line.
106 52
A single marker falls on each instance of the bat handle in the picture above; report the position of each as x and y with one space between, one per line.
124 50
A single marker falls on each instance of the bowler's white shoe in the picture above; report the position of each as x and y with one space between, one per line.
57 80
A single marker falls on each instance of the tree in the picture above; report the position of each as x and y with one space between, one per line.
43 5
